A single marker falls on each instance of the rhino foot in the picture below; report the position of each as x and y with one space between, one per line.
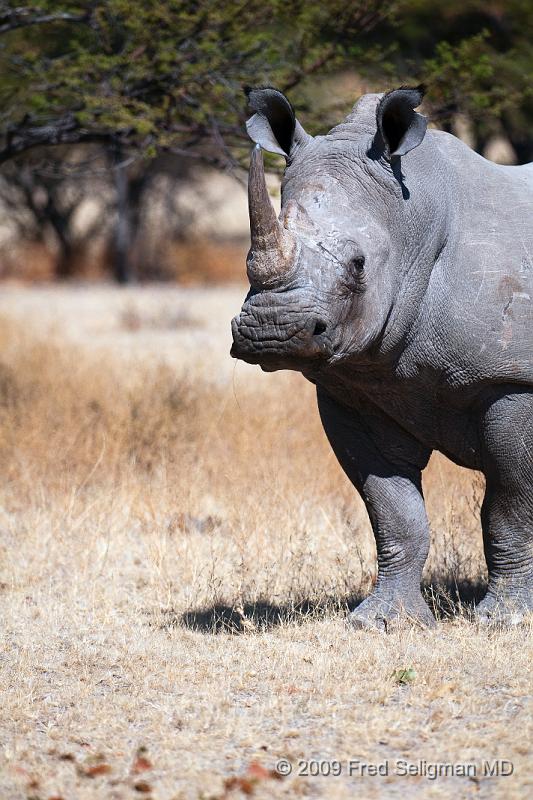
388 611
504 610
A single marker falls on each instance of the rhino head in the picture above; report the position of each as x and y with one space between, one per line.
325 275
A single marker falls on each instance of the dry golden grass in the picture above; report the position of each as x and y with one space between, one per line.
178 550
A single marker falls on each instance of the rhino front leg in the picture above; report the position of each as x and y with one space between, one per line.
507 511
384 463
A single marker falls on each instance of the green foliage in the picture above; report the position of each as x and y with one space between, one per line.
487 75
404 676
168 74
474 57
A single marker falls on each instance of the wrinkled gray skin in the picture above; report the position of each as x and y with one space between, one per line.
426 345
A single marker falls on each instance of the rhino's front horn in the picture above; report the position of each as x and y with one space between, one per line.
272 254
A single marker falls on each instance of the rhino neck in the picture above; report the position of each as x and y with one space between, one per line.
424 223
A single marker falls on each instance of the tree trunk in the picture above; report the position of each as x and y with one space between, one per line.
60 223
123 239
65 259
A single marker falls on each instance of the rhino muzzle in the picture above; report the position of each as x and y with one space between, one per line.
279 337
273 249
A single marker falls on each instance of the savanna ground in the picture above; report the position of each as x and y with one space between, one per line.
179 549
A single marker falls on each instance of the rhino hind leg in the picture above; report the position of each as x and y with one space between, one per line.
384 464
504 608
507 511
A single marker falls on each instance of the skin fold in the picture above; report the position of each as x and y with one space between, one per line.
399 280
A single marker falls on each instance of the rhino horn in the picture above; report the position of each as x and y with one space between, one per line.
272 254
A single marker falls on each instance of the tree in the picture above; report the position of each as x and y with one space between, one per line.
149 77
476 58
145 78
167 76
69 199
160 76
157 75
44 193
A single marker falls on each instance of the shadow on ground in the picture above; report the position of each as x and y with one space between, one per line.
447 600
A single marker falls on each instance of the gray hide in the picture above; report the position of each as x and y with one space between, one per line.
399 280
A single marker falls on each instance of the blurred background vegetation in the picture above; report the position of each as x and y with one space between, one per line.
122 138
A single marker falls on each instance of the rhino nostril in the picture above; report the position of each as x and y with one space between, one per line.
320 327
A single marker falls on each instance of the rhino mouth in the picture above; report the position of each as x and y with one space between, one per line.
280 339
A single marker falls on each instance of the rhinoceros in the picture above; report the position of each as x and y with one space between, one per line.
398 278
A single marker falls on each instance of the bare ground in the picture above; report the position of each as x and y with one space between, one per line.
178 552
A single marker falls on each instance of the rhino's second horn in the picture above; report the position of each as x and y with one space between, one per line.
272 254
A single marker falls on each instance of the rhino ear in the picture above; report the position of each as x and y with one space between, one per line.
400 128
274 125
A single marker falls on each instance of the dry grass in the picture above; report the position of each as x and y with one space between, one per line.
153 506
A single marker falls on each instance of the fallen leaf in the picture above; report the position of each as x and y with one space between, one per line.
98 769
257 771
141 764
143 787
246 785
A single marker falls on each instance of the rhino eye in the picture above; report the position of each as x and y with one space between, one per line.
355 280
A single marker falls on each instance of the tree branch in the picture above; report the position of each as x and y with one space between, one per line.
65 131
309 70
367 19
23 17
